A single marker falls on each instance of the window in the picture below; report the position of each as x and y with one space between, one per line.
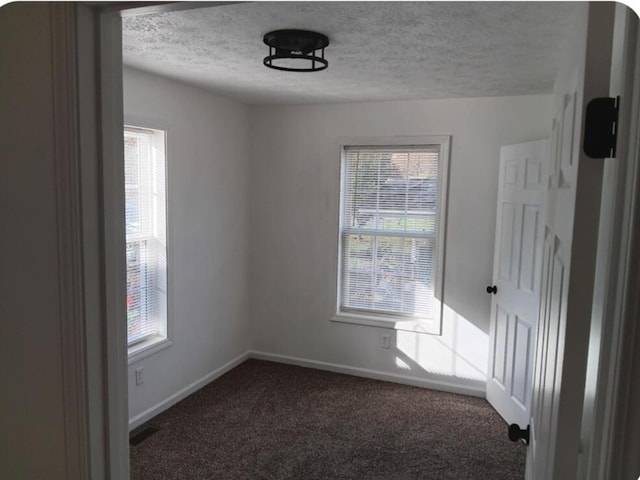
146 236
391 235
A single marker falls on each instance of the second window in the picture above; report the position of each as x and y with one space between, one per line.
391 206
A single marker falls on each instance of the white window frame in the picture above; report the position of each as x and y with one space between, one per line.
156 343
390 321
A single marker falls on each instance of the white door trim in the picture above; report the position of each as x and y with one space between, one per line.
111 172
612 329
616 437
69 238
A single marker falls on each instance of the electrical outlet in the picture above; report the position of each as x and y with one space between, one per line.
139 378
386 340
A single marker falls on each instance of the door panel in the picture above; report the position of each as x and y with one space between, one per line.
522 362
500 346
533 173
518 254
550 353
507 241
529 258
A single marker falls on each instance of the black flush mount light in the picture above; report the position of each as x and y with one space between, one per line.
296 47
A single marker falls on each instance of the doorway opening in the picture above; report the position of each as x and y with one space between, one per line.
464 308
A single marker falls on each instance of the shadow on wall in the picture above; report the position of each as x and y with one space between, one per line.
461 351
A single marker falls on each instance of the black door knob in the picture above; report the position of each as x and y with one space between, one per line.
492 289
516 433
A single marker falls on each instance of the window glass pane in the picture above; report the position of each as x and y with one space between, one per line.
390 223
132 211
137 279
387 190
131 160
389 274
145 220
358 271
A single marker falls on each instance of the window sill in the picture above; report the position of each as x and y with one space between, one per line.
148 347
418 326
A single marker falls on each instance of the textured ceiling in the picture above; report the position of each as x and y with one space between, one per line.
378 50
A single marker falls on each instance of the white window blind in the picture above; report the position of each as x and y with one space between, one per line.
145 220
389 232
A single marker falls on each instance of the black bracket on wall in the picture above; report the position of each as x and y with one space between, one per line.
601 127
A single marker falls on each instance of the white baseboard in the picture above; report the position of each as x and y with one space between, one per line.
477 389
185 392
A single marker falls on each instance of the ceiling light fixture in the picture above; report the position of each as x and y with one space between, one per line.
295 50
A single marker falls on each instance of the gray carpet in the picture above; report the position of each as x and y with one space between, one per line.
269 421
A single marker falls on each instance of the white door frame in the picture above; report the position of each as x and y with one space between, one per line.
622 456
609 428
93 116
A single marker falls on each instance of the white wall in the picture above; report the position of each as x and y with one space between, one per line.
208 210
294 220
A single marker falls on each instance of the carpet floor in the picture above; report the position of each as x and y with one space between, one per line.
268 421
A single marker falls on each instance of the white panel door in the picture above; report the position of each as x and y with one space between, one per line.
551 341
516 277
570 244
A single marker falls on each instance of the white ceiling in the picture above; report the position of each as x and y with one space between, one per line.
378 50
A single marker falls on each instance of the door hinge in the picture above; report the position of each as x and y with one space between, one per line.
601 127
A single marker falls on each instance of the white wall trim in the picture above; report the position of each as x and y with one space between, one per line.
607 324
146 348
113 269
621 436
186 391
69 238
477 390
